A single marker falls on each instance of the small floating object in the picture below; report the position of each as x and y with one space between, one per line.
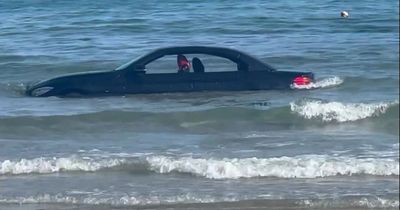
344 14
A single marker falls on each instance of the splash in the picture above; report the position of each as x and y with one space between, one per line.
325 83
337 111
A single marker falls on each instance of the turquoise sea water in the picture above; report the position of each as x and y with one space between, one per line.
333 145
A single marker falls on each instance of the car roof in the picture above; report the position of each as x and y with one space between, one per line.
236 56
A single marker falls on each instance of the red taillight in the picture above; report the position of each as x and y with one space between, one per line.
302 80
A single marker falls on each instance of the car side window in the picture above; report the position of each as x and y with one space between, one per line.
163 65
209 63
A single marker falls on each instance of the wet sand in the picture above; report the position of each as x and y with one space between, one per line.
249 204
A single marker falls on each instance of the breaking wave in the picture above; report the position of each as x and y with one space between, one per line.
52 165
324 83
311 166
306 166
337 111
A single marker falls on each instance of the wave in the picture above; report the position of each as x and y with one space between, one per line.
45 165
306 166
324 83
337 111
381 116
305 108
311 166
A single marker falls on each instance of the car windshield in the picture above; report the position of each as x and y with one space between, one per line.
123 66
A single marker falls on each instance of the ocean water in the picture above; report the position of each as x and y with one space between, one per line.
332 144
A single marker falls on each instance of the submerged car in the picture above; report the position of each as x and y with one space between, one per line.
132 78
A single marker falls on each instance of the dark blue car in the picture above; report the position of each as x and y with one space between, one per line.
132 78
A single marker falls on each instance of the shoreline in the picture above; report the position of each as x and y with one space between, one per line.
244 204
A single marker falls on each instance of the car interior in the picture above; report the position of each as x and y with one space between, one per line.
199 63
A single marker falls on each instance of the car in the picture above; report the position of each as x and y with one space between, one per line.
249 73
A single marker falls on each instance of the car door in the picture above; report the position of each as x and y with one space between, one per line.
145 82
229 80
168 82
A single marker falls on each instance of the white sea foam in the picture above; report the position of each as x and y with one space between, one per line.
337 111
52 165
256 135
307 166
310 166
363 202
194 124
324 83
377 203
108 199
127 200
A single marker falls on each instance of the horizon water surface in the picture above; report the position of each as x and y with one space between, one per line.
333 144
